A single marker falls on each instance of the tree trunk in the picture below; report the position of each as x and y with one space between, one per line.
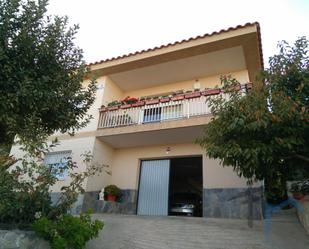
276 188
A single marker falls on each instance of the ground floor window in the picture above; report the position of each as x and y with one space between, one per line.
57 161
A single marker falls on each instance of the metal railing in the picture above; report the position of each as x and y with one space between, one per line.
160 112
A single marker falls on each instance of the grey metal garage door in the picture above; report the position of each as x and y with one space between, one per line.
153 188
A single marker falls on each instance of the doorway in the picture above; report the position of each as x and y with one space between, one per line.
171 187
186 187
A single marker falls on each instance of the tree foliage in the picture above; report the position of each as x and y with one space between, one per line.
264 134
68 231
26 184
41 73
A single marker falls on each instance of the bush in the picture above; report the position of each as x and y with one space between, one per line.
21 196
25 197
112 190
300 187
305 187
295 187
68 231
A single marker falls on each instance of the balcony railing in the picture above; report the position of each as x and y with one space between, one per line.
160 112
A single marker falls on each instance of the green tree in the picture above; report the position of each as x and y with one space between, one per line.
264 134
41 74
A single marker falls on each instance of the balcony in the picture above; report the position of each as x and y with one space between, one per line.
177 107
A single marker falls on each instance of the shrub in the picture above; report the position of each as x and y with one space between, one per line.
305 187
22 194
113 103
295 187
68 231
112 190
300 187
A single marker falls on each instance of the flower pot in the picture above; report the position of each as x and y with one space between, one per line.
237 88
111 198
164 100
298 196
129 100
152 101
211 92
139 103
249 85
126 106
104 109
113 108
178 97
192 95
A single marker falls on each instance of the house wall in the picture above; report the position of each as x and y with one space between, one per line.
111 91
126 165
78 146
103 154
224 193
94 109
210 82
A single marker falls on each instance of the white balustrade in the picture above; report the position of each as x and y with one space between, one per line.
160 112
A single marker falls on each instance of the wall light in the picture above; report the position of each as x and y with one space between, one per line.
168 149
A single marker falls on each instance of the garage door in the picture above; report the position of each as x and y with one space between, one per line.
153 188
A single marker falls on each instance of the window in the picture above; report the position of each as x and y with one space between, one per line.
165 112
57 160
172 111
152 115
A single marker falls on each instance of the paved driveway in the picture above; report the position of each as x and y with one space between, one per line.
141 232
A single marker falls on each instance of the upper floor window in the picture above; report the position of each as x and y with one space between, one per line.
152 115
58 161
165 112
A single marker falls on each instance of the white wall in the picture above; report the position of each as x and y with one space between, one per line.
102 155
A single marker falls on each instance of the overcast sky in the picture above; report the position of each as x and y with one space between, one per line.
116 27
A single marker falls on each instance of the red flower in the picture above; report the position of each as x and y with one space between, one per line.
130 100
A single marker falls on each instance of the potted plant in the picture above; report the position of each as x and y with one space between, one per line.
296 190
112 192
140 102
178 92
103 108
190 94
114 105
127 102
249 85
213 91
152 101
164 99
178 95
232 88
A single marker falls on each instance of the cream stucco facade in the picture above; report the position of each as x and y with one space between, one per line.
127 162
196 63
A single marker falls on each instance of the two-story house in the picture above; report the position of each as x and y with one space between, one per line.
150 107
